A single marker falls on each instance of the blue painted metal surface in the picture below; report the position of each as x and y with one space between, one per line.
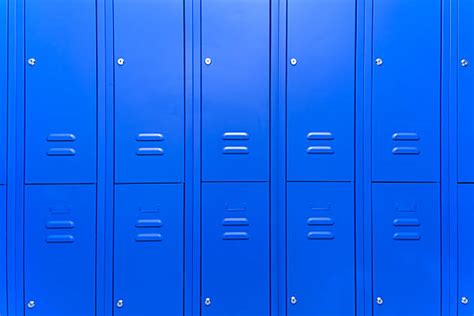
148 249
266 157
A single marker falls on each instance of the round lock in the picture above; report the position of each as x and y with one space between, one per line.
379 300
120 303
293 300
464 62
207 301
464 300
293 61
208 61
31 304
379 62
121 61
31 61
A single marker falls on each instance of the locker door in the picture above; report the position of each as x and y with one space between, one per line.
235 90
60 250
149 90
60 91
3 251
320 249
466 249
406 90
149 250
465 91
235 249
3 92
320 89
406 249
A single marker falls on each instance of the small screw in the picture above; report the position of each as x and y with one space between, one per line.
31 304
120 303
207 301
379 300
464 300
293 300
121 61
32 61
379 62
293 61
464 62
208 61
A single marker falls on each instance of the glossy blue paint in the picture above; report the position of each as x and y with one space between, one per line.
3 91
61 91
235 251
466 248
406 90
3 251
465 91
149 91
235 90
60 250
148 249
406 247
320 90
320 249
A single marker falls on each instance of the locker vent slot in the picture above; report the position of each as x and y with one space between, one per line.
406 136
317 235
320 150
406 222
320 136
405 151
149 223
150 137
61 152
148 237
150 151
235 236
60 239
406 236
235 136
59 224
235 150
235 221
61 137
320 221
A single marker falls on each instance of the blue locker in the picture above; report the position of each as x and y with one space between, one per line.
320 249
466 249
235 252
406 90
406 249
148 256
235 90
60 250
466 91
320 90
61 92
3 91
149 90
3 251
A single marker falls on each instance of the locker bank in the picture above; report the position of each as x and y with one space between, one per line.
237 157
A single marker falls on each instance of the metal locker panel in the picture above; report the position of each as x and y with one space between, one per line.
3 251
149 90
235 249
465 91
466 249
60 250
406 249
235 90
148 256
320 90
3 91
61 92
406 90
320 249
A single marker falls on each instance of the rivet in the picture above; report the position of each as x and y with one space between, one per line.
464 62
293 61
31 304
293 300
379 62
120 61
379 300
120 303
464 300
208 61
31 61
207 301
